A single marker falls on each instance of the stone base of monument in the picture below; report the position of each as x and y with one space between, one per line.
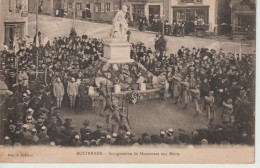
116 52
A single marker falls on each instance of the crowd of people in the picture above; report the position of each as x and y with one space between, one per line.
43 84
156 25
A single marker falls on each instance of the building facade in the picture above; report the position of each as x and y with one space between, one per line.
97 10
13 21
151 9
104 10
47 7
243 17
193 12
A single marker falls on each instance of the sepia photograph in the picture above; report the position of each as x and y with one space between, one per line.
127 81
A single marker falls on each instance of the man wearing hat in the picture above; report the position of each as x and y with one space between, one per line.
170 136
83 94
44 138
23 78
86 131
28 121
76 141
67 123
97 133
58 91
162 84
11 133
35 138
7 141
27 135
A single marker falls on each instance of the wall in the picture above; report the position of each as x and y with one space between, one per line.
212 11
6 16
47 7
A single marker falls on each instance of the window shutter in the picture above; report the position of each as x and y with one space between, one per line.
91 7
102 7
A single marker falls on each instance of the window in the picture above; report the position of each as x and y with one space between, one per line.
65 6
197 1
79 6
189 1
107 7
70 5
10 5
97 7
182 1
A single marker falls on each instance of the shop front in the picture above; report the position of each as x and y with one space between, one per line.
13 30
154 12
137 11
194 17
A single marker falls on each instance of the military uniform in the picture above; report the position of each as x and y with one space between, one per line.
210 105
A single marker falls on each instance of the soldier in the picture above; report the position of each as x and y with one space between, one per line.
186 92
210 106
176 87
196 98
192 81
162 83
72 91
112 115
124 122
58 91
23 78
227 112
103 93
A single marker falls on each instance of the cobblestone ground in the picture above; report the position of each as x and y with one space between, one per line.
149 116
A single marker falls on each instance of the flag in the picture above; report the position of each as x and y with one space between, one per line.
240 53
235 55
16 45
36 40
45 40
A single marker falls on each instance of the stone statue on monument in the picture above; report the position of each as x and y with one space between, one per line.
120 26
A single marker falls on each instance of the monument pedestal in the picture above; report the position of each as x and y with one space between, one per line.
116 52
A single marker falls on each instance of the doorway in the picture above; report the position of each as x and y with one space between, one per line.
13 30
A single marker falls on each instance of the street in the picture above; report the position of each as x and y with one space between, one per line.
51 27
